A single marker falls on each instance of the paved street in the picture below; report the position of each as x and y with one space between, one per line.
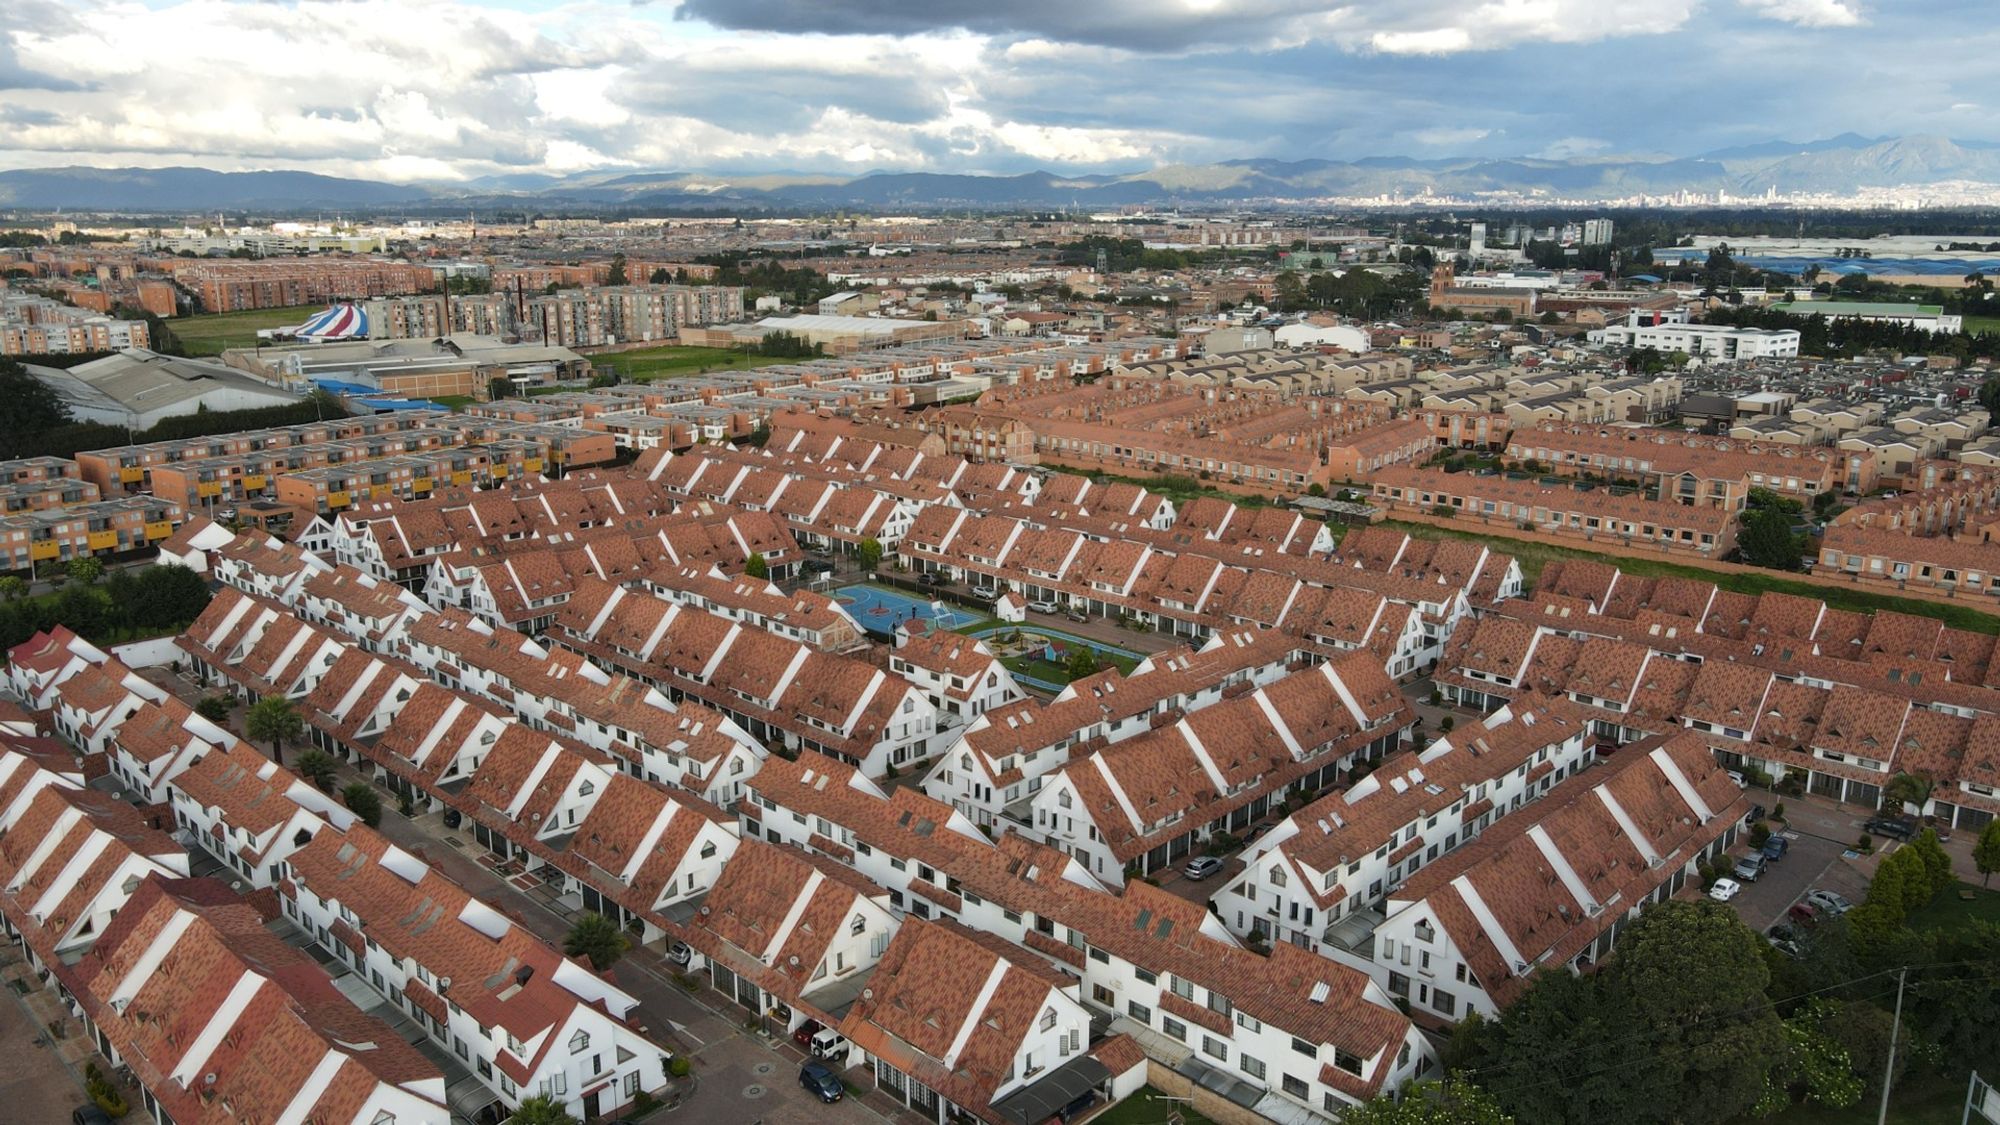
35 1085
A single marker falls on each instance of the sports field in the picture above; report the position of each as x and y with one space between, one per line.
212 333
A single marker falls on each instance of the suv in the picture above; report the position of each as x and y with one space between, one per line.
1749 868
1044 607
1892 826
1774 849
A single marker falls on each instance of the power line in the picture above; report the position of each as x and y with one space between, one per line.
1772 1003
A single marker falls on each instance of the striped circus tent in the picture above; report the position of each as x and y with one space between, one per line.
341 322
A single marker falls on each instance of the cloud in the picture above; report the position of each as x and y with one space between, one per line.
1808 13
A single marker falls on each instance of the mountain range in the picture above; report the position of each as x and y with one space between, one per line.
1837 165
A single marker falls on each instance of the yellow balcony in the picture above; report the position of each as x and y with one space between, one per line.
132 475
208 488
103 540
532 465
462 476
159 529
421 484
44 549
338 499
254 481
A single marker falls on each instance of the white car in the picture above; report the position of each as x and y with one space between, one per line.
1827 902
1738 778
1724 889
1044 607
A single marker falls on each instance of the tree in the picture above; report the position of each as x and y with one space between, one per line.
1453 1101
1764 538
85 571
273 719
316 766
1696 978
1082 661
1815 1065
499 387
13 587
1902 883
869 553
542 1109
1561 1057
596 939
756 567
1937 863
617 274
214 708
1905 789
28 407
1986 853
361 798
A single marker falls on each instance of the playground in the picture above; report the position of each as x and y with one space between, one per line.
879 609
1040 657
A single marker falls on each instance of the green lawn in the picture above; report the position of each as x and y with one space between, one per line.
666 362
456 402
1144 1107
211 333
1921 1099
1948 910
1534 556
1977 324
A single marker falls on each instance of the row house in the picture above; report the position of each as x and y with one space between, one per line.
1144 804
960 675
528 1020
70 858
775 689
1593 515
40 664
805 616
218 1019
1553 886
1161 968
1893 561
790 935
92 704
1340 856
997 763
93 529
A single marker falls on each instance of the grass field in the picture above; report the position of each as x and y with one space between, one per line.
1534 556
1976 324
1949 911
1144 1107
211 333
666 362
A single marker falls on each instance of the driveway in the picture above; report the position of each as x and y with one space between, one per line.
35 1086
1804 867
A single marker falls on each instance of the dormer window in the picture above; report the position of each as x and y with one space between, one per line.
579 1042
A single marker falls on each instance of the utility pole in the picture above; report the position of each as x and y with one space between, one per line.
1889 1071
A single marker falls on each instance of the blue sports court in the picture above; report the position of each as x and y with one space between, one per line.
879 609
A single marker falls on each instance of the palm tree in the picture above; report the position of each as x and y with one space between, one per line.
598 938
273 719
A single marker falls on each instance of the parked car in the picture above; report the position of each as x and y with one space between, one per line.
820 1079
1722 890
1774 848
933 578
1756 813
680 953
1895 827
817 566
985 593
1828 902
89 1115
819 1040
1044 607
1201 867
1741 782
1803 913
1785 940
1077 1107
803 1033
1750 868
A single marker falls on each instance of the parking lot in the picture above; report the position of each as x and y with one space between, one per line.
1818 841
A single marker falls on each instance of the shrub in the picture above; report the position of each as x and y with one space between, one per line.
1778 811
679 1067
1759 833
1445 724
1866 843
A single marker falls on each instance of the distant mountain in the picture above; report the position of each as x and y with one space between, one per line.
1836 165
191 189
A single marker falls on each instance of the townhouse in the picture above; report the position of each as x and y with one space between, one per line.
529 1020
218 1019
1162 969
1137 806
1946 565
1343 854
1553 886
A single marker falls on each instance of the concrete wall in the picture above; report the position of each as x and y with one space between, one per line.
148 654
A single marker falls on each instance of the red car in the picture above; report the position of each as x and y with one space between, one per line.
1803 912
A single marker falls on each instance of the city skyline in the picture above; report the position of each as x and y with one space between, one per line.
451 91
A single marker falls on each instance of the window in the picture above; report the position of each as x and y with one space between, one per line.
1174 1027
1349 1063
632 1084
579 1043
1214 1048
859 924
1183 987
1444 1001
1048 1019
1309 1050
1252 1066
1139 1011
1296 1088
1146 975
708 850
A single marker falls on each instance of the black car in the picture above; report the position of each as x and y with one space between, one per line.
89 1115
1756 813
822 1081
1774 848
1892 826
817 566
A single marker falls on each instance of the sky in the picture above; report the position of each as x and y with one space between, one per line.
447 91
